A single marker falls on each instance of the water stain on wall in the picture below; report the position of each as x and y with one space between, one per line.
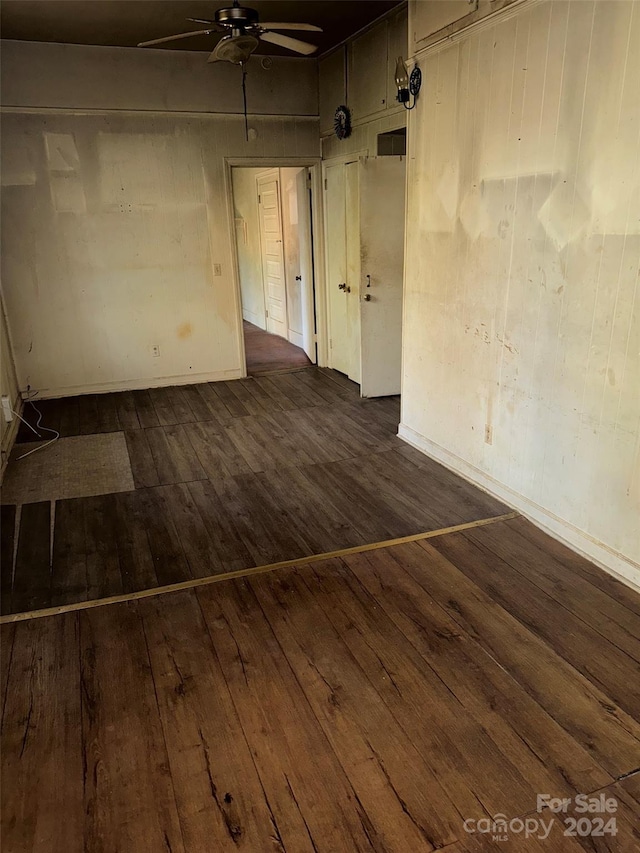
185 330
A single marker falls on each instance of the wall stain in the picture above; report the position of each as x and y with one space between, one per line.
185 330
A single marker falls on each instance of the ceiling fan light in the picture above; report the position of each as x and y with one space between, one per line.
235 49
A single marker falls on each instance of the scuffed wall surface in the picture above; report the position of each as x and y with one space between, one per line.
38 74
112 226
245 200
523 252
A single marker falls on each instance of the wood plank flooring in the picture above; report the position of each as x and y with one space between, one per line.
373 702
228 476
266 353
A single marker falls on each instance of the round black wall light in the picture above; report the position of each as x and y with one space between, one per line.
342 122
408 85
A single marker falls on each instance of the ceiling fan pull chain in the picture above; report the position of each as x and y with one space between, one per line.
243 65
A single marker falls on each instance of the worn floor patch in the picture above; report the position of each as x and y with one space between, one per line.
69 468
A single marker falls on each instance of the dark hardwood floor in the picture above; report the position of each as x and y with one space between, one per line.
228 475
266 353
373 702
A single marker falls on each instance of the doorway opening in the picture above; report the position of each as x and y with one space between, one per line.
274 245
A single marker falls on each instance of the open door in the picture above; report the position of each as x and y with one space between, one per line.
275 289
306 265
382 198
342 238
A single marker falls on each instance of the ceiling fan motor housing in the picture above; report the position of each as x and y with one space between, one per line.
237 17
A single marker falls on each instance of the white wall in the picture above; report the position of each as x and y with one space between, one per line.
113 220
247 223
521 335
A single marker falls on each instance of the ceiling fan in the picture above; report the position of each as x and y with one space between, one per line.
242 34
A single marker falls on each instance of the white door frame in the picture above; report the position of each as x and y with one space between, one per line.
314 165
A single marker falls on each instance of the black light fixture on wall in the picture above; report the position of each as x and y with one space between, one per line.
408 85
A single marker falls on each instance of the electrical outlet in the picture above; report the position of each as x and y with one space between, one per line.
6 409
488 434
217 269
155 351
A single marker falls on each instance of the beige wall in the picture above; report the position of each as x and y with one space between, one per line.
521 333
114 222
431 21
38 74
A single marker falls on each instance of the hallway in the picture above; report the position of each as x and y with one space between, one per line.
267 353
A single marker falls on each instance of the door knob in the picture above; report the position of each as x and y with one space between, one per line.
367 297
342 287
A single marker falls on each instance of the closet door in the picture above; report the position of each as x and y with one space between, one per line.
382 198
342 234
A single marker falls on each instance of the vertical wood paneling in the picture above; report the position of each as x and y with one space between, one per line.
523 243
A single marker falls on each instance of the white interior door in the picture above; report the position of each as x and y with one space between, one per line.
342 242
306 266
336 242
275 289
382 198
352 224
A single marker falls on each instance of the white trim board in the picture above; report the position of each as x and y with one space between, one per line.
17 109
612 562
138 384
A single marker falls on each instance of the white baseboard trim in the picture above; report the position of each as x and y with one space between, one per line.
9 438
138 384
257 319
296 339
612 562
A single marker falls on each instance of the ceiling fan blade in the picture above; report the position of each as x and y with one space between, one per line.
200 21
308 27
296 45
173 38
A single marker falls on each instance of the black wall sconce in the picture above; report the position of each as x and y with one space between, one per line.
408 85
